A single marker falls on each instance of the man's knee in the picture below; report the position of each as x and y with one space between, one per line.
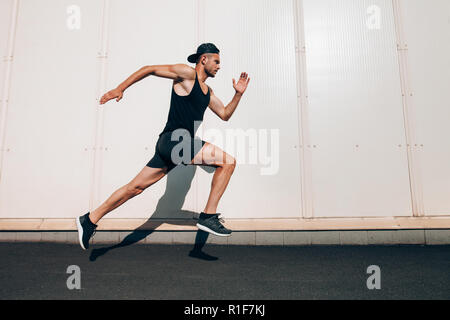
234 162
230 163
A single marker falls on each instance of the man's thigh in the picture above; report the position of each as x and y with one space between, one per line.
147 177
212 155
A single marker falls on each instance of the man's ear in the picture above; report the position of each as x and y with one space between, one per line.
205 58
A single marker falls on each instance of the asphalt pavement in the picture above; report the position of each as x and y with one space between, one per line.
162 272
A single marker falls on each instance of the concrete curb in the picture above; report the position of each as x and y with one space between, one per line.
279 238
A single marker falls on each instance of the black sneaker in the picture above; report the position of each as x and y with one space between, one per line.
86 229
211 223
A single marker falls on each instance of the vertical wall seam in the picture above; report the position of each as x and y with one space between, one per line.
197 39
8 61
99 128
302 107
200 37
413 167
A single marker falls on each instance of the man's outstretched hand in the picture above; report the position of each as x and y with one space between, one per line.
113 94
242 84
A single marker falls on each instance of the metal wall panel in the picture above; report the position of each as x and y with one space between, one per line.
46 172
426 26
355 116
359 163
150 33
256 37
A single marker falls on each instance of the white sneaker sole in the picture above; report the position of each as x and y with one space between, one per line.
206 229
80 232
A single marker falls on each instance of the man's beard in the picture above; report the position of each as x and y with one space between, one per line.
210 74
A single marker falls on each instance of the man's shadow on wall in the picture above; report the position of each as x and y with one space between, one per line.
169 206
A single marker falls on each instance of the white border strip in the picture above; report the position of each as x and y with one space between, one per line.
374 223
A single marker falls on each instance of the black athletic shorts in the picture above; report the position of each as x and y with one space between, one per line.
163 151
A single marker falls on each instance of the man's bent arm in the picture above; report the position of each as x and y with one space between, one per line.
217 106
176 72
220 110
135 77
231 107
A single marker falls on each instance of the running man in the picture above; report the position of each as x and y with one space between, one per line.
190 98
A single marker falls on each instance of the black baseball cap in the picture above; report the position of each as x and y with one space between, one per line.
202 49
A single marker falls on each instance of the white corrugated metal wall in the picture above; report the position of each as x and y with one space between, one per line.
353 90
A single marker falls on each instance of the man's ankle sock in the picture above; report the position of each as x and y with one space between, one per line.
89 220
206 215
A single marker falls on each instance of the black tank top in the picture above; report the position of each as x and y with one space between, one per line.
184 110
